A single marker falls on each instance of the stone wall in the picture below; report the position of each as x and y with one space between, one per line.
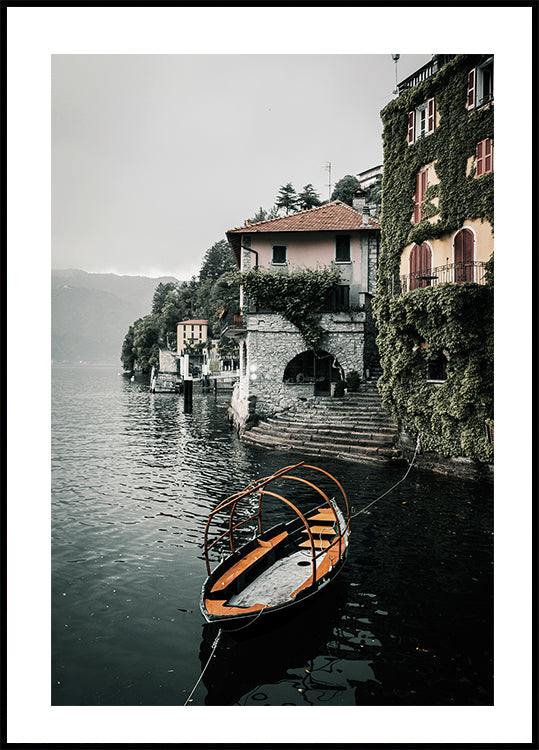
168 361
271 342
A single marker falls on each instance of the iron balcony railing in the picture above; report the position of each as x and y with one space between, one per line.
428 70
450 273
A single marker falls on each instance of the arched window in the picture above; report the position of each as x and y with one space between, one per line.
420 266
463 256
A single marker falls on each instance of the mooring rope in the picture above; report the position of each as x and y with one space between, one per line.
216 641
395 485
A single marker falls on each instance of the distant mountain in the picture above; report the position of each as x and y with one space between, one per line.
91 313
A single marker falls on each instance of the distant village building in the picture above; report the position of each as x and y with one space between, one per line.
276 367
190 333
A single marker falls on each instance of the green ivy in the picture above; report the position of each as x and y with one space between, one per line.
450 320
300 297
455 321
460 196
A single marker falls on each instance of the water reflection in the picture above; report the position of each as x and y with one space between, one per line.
408 621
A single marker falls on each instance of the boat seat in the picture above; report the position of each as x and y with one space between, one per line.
323 515
246 561
319 530
318 543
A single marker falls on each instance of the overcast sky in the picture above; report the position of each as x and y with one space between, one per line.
154 157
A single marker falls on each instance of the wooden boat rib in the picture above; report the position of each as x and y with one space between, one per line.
279 567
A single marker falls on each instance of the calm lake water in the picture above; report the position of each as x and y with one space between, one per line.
408 622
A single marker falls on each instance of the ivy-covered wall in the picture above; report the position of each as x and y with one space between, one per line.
460 196
451 323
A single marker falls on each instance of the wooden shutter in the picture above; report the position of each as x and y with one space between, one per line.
419 197
431 112
488 155
420 263
464 270
479 162
471 89
411 118
483 157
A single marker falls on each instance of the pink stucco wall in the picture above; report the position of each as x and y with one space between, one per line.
306 249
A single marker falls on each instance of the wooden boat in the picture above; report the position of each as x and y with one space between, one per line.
283 566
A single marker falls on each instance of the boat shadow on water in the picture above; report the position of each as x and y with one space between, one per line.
266 650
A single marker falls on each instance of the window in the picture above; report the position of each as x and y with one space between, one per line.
339 298
342 248
463 254
483 157
278 254
421 182
421 121
420 265
437 369
481 84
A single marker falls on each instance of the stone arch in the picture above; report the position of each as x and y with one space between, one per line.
319 369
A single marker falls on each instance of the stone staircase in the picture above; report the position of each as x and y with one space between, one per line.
352 428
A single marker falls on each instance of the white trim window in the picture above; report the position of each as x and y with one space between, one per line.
421 121
480 85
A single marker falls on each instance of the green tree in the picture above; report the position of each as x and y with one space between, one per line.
217 261
287 198
309 197
160 295
127 355
344 189
145 342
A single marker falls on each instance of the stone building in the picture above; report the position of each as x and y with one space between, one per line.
276 368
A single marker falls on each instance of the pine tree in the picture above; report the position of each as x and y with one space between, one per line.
309 198
287 198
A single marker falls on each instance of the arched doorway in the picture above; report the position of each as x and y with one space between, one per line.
319 369
463 256
420 266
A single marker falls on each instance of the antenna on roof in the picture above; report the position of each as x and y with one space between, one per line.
327 166
395 60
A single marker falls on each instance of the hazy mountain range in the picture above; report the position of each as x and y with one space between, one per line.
91 313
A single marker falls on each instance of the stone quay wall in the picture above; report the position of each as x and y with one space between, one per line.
271 342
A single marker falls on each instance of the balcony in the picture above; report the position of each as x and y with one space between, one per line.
450 273
428 70
234 326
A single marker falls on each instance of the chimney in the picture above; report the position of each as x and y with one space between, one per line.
359 200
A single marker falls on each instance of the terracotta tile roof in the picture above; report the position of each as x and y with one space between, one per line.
331 217
192 322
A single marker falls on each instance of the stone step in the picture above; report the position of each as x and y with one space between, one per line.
353 434
348 425
367 439
359 454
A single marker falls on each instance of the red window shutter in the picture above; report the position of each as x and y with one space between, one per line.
411 117
488 156
419 196
471 89
479 162
464 256
424 176
431 116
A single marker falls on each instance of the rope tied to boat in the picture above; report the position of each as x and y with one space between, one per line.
417 447
214 647
216 641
